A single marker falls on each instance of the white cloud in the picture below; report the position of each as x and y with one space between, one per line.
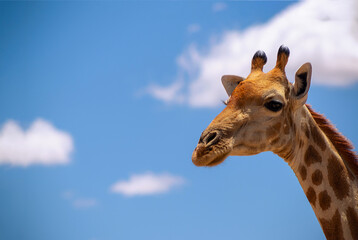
147 184
170 94
323 32
41 144
193 28
219 6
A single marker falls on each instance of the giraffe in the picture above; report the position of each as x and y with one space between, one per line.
265 112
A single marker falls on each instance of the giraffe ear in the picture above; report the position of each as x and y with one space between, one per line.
302 83
230 82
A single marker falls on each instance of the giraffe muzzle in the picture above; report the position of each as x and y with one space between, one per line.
207 153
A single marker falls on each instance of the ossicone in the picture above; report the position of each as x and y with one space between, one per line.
282 57
258 61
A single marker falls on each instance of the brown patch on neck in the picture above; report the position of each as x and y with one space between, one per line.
333 228
311 196
312 156
305 129
343 146
317 138
352 222
303 172
338 178
324 200
317 177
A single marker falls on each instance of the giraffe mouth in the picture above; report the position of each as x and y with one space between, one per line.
216 161
203 157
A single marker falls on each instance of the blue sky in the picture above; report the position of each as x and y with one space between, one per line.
85 68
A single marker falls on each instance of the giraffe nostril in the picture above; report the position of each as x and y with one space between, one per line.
211 138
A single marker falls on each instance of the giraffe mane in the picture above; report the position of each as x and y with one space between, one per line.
343 146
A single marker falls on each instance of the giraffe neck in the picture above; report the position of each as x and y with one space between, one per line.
330 186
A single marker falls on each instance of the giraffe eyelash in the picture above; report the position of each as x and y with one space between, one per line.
225 102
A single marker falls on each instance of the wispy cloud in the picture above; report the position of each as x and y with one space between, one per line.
322 32
219 6
146 184
79 202
41 144
169 94
193 28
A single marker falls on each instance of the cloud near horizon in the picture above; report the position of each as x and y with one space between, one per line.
147 184
323 32
40 144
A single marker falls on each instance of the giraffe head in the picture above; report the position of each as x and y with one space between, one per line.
259 112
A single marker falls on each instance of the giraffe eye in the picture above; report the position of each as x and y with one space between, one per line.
274 105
